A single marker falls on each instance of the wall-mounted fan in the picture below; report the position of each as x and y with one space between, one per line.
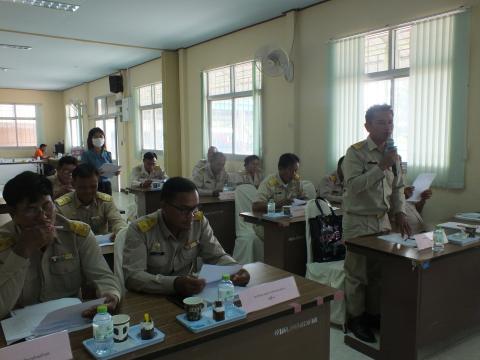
275 62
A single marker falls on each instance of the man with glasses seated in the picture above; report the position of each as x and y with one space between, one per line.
161 249
62 180
43 255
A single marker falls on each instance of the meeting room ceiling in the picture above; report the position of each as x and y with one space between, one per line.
103 36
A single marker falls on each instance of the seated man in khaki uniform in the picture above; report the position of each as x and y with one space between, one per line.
62 180
252 174
44 256
282 187
161 248
203 162
331 186
211 178
142 175
86 204
373 188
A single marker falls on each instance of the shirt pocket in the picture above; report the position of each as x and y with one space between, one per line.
66 273
190 253
158 261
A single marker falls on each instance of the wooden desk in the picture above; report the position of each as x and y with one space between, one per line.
284 242
275 333
426 298
220 213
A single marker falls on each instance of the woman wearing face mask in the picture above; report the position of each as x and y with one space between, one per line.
97 155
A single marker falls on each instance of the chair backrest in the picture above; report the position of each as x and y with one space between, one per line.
244 196
118 257
311 211
309 189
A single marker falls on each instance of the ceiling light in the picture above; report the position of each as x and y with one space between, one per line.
53 5
18 47
4 69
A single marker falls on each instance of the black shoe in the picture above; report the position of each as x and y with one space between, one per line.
372 321
360 329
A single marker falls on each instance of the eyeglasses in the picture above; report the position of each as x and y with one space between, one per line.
34 211
184 210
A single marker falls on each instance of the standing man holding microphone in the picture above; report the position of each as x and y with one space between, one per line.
373 187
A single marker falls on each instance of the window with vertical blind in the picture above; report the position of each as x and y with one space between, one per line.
105 111
414 67
232 116
151 117
18 125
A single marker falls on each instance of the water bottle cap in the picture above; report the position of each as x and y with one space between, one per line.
101 309
226 277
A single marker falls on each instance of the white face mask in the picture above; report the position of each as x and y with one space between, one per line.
98 142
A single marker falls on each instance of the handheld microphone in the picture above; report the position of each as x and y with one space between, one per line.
390 146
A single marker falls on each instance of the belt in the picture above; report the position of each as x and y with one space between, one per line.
378 216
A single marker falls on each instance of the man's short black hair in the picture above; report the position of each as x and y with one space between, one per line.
149 156
67 160
42 145
85 171
340 161
372 110
175 185
27 185
287 160
249 159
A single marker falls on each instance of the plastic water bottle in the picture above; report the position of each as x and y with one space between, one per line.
226 291
103 331
271 207
439 239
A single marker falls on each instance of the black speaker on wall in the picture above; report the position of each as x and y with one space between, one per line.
116 83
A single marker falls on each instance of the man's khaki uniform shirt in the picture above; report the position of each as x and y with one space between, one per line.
199 165
243 177
370 192
331 188
72 259
153 257
207 182
58 189
140 175
274 188
100 214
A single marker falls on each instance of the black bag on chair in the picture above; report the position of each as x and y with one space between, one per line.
326 234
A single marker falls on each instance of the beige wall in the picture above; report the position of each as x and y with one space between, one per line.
52 116
295 114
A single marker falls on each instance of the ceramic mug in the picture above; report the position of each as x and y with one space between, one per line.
193 307
121 324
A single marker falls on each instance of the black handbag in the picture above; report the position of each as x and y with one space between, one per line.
326 235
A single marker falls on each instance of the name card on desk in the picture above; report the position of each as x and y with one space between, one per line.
424 240
51 347
265 295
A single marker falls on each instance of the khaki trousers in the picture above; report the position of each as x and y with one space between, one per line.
362 275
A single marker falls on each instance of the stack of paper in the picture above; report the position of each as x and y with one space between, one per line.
104 240
227 195
46 318
298 211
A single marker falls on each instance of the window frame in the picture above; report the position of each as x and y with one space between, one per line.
232 96
153 107
104 118
15 118
80 124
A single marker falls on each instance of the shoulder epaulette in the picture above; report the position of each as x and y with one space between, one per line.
79 228
6 241
63 200
333 178
273 181
146 224
103 196
359 145
296 177
198 216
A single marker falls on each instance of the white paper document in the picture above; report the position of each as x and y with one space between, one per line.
104 240
36 320
399 239
298 202
458 226
108 169
212 273
421 183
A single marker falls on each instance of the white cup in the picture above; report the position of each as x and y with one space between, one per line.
121 324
